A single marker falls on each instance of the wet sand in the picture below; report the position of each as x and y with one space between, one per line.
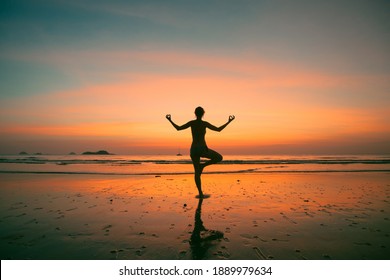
248 216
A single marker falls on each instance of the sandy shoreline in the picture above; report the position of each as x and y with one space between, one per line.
249 216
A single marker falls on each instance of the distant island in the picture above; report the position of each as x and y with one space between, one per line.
101 152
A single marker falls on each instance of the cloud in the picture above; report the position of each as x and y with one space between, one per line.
122 65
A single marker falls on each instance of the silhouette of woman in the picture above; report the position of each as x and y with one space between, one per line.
199 147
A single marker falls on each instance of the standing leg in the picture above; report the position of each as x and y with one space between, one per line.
213 156
198 171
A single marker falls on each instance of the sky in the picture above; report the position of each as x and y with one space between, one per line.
301 77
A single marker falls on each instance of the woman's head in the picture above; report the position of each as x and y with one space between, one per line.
199 112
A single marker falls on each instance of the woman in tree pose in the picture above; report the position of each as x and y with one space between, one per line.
199 147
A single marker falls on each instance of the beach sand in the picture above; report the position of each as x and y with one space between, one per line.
248 216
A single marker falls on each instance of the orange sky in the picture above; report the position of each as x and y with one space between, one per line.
288 96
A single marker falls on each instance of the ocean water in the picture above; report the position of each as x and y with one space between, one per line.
176 165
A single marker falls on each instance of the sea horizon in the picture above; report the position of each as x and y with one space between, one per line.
113 164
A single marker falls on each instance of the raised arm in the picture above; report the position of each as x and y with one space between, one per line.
212 127
178 127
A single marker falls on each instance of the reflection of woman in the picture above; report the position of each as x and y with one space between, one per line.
199 147
201 237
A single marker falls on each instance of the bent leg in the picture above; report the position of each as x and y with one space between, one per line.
213 156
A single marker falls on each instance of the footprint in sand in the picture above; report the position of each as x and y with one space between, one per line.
21 215
31 221
221 254
17 206
279 240
308 214
287 218
182 253
107 229
259 253
138 253
363 243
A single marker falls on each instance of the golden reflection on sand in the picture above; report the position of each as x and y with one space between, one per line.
248 216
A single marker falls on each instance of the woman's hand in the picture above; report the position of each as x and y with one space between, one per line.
168 117
231 118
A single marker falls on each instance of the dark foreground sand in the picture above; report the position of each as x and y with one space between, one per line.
248 216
